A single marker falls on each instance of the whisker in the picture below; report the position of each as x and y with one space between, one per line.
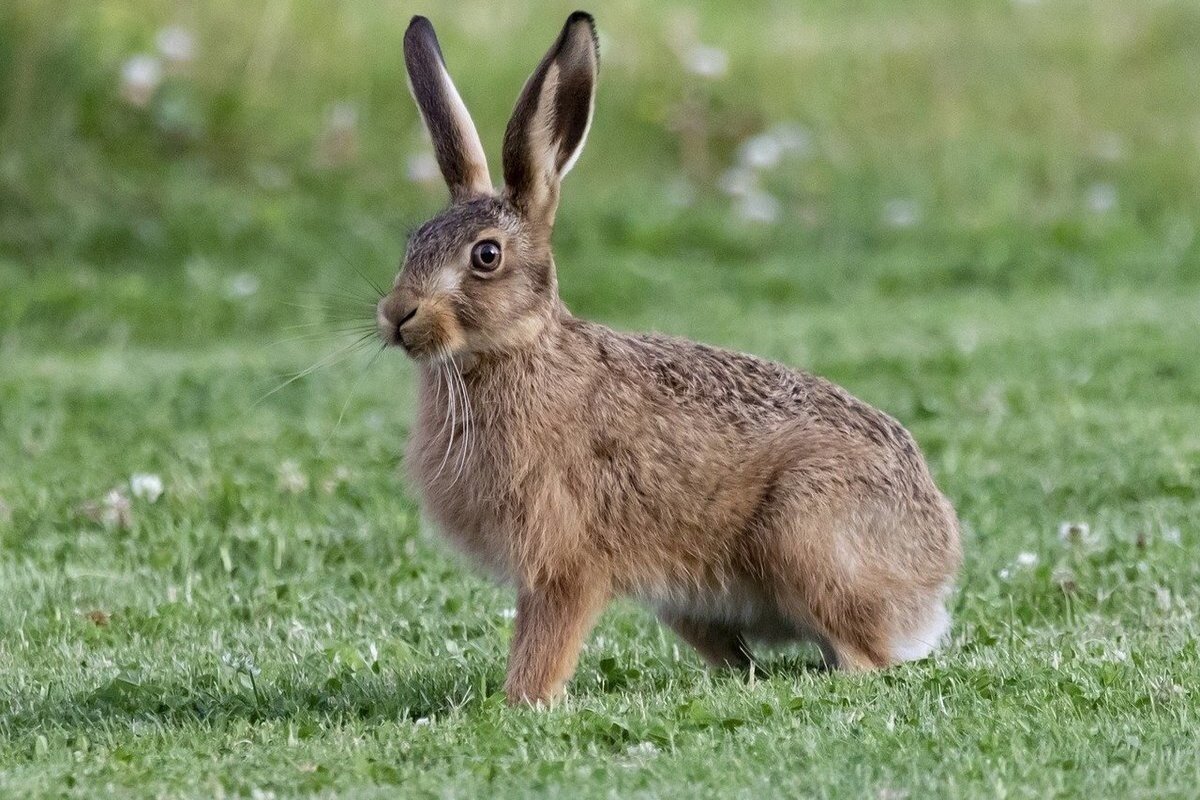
452 417
468 437
353 298
350 396
332 358
348 325
374 286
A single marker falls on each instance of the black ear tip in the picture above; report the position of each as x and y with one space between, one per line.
587 19
419 26
420 37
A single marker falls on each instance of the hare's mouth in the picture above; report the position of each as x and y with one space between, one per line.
424 327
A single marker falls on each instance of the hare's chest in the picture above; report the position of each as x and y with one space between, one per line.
510 508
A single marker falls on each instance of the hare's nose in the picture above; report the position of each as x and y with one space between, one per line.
406 317
395 311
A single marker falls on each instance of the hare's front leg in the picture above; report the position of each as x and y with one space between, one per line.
552 619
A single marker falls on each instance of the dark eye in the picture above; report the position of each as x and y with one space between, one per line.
485 256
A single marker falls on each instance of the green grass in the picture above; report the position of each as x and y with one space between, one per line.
280 622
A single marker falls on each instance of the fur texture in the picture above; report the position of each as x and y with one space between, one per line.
740 499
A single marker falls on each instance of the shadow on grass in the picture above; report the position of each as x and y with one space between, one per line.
209 699
215 699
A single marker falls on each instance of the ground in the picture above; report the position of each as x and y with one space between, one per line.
987 230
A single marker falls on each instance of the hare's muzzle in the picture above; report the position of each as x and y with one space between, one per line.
395 313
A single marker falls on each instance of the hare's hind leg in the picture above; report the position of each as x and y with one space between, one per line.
867 609
719 644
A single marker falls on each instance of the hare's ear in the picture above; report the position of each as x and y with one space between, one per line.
551 119
455 141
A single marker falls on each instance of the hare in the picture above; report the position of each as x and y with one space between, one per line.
739 499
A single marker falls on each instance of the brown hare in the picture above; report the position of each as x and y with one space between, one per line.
739 499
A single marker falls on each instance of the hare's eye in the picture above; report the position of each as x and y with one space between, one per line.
485 256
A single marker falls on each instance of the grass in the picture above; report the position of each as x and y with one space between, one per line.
280 623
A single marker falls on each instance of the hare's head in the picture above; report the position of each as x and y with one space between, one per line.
480 275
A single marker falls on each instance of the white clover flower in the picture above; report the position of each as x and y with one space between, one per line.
1101 198
176 45
792 137
759 206
115 511
1064 578
508 613
291 479
146 486
1171 535
901 212
1004 574
1074 532
1027 559
706 61
761 151
244 284
423 168
240 662
140 78
737 181
642 749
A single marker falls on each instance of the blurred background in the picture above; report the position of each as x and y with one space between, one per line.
173 173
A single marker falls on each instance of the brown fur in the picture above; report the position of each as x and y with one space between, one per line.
739 498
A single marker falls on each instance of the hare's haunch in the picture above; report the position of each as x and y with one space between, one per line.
742 500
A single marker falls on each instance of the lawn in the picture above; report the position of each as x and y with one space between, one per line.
978 216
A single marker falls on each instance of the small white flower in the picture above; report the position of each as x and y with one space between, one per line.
343 116
140 78
340 475
240 662
244 284
706 61
115 510
792 137
901 212
1171 535
761 151
1074 532
642 749
1004 574
1026 559
737 181
291 479
423 168
758 206
421 722
146 486
1101 198
1063 578
508 613
176 44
